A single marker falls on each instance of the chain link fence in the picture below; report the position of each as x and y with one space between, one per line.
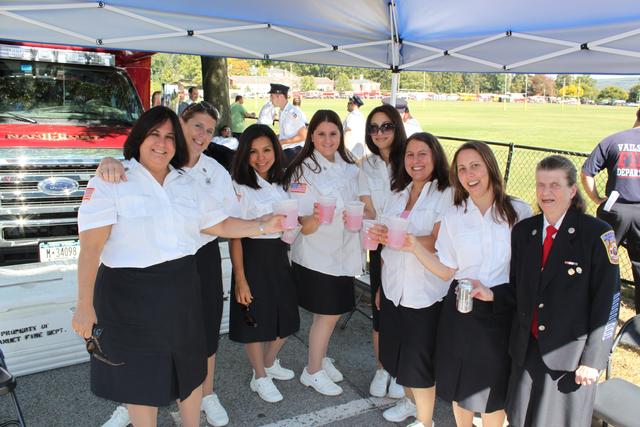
518 164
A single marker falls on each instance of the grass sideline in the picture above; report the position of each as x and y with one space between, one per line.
565 127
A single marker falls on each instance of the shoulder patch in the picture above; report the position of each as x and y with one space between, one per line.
298 187
609 241
88 193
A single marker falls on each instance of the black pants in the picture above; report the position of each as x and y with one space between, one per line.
625 220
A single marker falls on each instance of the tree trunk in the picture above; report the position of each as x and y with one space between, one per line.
215 84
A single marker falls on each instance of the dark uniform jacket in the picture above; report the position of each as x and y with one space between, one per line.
577 293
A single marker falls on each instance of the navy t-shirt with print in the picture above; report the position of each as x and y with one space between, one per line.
620 155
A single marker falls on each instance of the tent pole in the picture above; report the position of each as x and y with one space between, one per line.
395 78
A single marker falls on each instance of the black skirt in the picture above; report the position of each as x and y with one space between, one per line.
540 397
375 278
322 293
472 360
408 342
210 271
150 324
274 307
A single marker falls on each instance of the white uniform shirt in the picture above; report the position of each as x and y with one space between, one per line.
151 223
475 245
374 180
267 112
229 142
256 202
355 123
412 126
291 120
215 184
405 280
331 249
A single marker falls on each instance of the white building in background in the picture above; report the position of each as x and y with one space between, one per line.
364 85
323 84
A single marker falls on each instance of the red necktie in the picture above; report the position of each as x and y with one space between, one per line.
546 248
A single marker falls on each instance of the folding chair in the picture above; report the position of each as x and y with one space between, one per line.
7 386
617 400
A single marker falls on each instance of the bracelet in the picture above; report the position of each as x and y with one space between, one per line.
261 227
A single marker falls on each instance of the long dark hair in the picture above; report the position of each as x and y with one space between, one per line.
294 171
556 162
396 155
439 158
504 208
242 172
147 123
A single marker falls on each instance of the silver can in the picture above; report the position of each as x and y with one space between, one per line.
464 300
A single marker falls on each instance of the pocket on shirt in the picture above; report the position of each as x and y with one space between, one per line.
186 207
132 206
469 247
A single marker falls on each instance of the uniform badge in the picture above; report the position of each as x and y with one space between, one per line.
609 241
88 193
534 232
571 230
571 272
579 270
298 187
295 116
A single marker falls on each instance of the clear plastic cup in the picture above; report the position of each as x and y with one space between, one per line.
368 243
288 208
289 236
327 209
355 214
397 232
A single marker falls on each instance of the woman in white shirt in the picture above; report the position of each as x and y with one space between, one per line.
137 276
326 257
472 361
411 296
265 309
385 139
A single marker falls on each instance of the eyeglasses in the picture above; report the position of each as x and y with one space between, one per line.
385 129
95 349
203 107
248 318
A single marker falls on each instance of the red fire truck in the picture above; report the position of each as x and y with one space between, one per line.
62 109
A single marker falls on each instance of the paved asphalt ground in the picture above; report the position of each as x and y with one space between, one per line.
61 397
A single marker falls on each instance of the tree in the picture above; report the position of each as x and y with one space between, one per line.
613 93
342 83
215 85
239 67
634 94
571 90
307 83
542 85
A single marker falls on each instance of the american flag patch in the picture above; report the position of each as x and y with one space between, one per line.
88 193
298 187
610 327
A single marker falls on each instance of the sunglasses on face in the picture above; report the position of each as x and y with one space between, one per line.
203 107
385 129
95 349
249 320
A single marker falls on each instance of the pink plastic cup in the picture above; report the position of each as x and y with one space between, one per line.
289 236
355 213
397 232
288 208
368 243
327 209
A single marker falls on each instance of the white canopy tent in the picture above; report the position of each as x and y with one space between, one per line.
522 36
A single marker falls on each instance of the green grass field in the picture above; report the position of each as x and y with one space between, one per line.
569 127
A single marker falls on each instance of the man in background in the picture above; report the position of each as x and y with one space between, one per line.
411 125
354 126
238 114
293 129
620 155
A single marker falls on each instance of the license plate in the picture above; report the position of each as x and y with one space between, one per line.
58 251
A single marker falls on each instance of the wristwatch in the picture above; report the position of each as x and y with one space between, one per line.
261 227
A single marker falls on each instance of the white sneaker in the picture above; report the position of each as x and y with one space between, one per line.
266 389
215 412
401 411
396 391
417 423
331 370
119 418
277 372
321 382
378 387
